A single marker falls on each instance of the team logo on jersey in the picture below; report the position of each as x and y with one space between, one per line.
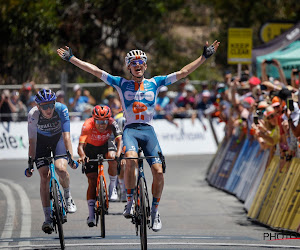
129 95
139 107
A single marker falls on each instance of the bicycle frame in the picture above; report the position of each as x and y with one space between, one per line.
53 176
101 173
140 176
101 190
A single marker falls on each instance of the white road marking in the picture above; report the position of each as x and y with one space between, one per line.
25 211
164 243
10 213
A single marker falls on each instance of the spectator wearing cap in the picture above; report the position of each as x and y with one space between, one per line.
27 91
20 113
267 131
205 108
188 101
60 96
261 107
254 83
81 103
162 101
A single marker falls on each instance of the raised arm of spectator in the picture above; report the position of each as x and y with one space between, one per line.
293 77
67 55
207 52
92 100
280 71
264 76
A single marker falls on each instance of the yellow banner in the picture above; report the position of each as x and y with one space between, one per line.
270 30
239 46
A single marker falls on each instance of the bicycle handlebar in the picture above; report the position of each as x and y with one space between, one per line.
49 159
160 156
100 159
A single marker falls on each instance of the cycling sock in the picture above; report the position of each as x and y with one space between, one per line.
91 206
122 185
155 203
67 192
129 195
47 213
112 183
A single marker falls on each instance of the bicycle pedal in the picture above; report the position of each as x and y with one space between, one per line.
65 219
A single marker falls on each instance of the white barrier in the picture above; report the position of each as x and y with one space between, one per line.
186 139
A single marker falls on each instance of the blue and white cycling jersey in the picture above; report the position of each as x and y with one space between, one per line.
138 99
60 122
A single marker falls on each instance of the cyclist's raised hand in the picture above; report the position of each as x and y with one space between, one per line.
65 53
208 51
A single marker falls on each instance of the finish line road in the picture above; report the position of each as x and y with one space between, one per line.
194 215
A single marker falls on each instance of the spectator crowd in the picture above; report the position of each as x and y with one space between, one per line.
266 109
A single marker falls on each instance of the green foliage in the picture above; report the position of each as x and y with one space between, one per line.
102 32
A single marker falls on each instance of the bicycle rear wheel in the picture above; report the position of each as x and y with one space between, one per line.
102 209
58 212
143 213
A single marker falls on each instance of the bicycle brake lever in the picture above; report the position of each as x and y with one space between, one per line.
162 158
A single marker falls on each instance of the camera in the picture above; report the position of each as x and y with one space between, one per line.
255 119
290 104
295 72
269 61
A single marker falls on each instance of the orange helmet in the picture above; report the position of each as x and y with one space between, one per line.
101 112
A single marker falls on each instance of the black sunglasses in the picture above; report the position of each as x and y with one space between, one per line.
46 106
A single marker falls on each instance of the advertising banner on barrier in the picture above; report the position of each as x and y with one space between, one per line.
187 138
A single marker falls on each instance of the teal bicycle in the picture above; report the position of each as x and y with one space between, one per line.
57 201
141 211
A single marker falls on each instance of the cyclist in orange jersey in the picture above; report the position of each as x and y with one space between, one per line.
99 135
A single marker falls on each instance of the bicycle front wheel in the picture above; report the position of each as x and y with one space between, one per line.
58 212
142 213
102 201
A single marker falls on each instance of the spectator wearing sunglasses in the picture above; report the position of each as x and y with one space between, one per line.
138 97
267 131
99 135
49 127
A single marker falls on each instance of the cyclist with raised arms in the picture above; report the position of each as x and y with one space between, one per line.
138 97
98 136
49 126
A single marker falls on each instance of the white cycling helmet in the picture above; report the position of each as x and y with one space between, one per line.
135 54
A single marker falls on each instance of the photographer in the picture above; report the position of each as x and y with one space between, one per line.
267 131
6 106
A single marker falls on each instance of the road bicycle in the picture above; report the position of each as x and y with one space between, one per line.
102 204
57 202
141 211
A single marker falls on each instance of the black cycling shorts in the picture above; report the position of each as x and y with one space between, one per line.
56 143
92 151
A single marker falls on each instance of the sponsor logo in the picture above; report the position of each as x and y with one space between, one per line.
280 236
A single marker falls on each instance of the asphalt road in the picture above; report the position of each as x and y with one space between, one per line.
194 215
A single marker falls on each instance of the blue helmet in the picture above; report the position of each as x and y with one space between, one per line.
45 95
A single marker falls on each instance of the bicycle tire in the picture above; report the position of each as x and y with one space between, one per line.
58 213
143 214
102 201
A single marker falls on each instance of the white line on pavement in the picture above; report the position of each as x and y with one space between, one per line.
10 213
25 211
166 244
